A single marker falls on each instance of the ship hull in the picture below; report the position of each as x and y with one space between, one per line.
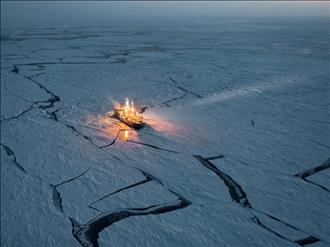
131 124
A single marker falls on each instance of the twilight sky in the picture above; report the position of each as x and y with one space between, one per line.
54 13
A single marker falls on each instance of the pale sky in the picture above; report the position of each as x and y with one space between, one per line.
55 13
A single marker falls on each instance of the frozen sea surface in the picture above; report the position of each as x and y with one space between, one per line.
235 151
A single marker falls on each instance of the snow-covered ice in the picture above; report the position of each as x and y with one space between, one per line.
235 151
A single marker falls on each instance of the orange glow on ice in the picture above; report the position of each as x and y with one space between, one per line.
107 128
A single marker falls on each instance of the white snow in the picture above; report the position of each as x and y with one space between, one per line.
256 93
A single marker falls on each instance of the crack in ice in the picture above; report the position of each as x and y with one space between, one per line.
238 195
309 172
